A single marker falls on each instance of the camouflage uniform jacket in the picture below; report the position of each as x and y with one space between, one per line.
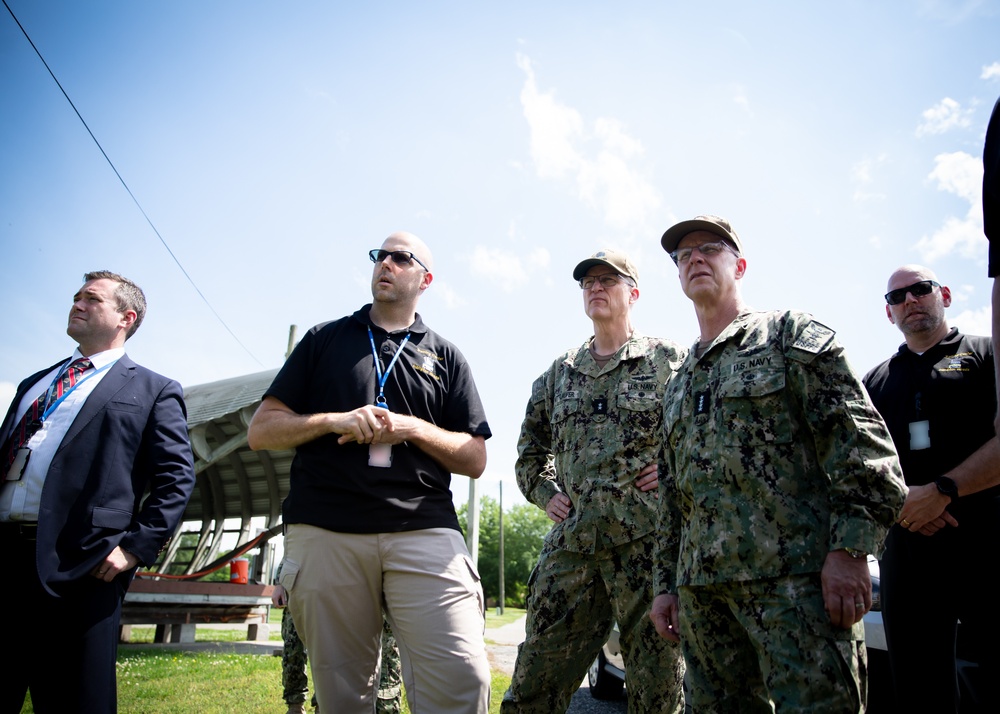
773 456
588 432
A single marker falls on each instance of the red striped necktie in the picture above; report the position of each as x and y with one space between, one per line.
31 422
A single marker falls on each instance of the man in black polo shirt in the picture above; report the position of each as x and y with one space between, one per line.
381 411
937 395
991 218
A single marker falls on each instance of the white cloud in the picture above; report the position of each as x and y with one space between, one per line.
741 100
962 175
943 116
991 71
554 128
973 322
862 173
598 160
447 294
506 269
500 267
539 258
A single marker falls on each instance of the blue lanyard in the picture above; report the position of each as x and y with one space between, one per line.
58 377
384 377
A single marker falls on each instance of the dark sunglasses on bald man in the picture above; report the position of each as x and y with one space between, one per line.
400 257
918 290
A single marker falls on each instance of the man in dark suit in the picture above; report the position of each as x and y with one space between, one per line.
81 444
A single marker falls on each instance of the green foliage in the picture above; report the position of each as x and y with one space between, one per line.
524 528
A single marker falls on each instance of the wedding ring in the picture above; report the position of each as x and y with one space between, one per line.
905 523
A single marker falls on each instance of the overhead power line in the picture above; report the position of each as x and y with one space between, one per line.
127 189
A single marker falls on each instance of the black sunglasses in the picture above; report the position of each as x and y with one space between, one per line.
400 257
924 287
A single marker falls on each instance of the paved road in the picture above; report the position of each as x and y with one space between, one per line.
502 648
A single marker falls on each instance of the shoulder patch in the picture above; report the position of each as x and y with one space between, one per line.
814 337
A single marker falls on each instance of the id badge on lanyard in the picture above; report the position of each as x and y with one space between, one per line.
380 455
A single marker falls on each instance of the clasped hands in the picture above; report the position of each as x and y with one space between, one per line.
372 425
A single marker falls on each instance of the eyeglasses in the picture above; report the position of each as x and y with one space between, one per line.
683 255
608 280
399 257
918 290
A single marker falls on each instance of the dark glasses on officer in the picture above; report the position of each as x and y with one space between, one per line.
917 290
400 257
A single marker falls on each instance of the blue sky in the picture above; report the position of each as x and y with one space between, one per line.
273 146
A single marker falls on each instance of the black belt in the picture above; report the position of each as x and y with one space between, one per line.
19 531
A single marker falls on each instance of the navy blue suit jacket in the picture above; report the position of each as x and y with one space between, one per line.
129 437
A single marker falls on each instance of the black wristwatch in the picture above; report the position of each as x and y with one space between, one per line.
946 486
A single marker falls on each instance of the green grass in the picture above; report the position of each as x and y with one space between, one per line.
146 635
510 614
151 681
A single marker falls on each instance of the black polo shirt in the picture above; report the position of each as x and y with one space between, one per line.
952 386
991 190
333 370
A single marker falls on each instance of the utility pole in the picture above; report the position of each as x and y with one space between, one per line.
501 549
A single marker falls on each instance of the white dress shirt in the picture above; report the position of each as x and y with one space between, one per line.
19 500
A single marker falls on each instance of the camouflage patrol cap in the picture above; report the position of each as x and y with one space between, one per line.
614 259
712 224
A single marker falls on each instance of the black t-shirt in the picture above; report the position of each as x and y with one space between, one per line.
951 387
991 190
332 370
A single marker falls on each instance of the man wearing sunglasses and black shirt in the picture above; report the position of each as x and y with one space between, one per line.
937 395
991 218
381 411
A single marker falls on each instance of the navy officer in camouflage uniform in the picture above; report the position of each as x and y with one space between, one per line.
587 456
778 478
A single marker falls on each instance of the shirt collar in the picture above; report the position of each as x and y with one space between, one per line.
100 359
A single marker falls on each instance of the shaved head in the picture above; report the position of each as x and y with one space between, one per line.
909 274
407 241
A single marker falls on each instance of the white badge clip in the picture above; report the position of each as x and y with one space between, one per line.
380 455
920 435
16 470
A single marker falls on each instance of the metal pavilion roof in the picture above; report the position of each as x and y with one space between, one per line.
233 482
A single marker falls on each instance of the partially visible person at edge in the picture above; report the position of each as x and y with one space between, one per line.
97 470
937 395
778 478
295 665
381 411
991 225
587 457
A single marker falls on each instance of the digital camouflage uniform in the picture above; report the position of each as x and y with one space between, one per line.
390 681
294 678
588 432
773 457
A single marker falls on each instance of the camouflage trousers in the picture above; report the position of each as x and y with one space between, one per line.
390 680
573 601
753 644
294 664
294 680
